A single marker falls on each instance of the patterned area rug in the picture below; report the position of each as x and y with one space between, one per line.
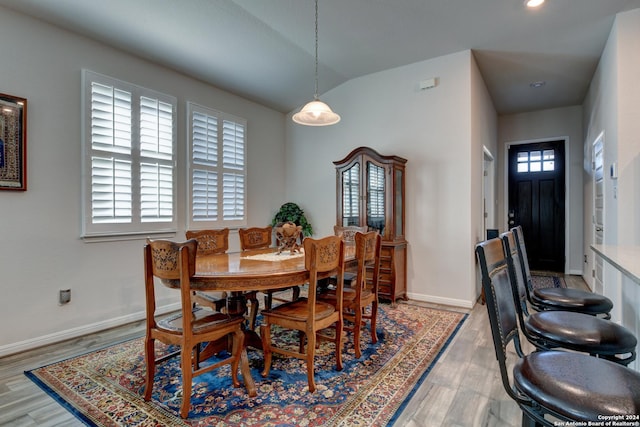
546 280
104 388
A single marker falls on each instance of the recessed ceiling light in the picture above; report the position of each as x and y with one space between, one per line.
533 3
537 84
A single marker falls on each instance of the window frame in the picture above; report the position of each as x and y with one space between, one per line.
220 169
536 161
137 225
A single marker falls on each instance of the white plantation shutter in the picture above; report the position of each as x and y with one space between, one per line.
205 195
375 191
233 197
204 179
205 139
110 119
129 151
217 168
351 192
156 160
233 145
111 163
110 190
233 151
156 192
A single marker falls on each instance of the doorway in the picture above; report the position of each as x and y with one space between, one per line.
488 192
598 209
536 189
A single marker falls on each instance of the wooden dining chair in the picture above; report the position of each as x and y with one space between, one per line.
569 330
566 299
260 238
255 237
348 233
210 242
175 263
309 315
551 387
363 292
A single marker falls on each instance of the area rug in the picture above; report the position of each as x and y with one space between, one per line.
104 388
546 280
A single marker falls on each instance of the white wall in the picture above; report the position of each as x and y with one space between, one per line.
41 251
484 129
628 33
612 108
433 130
557 123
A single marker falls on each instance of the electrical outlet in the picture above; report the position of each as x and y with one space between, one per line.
65 296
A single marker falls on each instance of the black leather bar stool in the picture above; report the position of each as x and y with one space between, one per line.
565 299
566 329
550 386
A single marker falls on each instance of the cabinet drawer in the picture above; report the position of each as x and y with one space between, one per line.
385 264
385 277
384 290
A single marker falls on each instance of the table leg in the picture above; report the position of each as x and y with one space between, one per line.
236 305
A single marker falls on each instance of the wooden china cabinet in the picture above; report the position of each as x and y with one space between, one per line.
370 192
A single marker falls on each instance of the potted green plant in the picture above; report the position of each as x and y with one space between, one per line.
292 212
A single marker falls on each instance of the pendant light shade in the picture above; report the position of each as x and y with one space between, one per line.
316 112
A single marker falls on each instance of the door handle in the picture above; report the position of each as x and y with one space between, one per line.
599 229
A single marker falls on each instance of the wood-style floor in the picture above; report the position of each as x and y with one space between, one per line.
463 389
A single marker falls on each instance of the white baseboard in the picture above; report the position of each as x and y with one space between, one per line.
439 300
32 343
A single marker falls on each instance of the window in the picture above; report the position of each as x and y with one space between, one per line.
351 195
375 195
128 146
217 168
536 161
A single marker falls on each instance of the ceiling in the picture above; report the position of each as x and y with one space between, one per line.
263 50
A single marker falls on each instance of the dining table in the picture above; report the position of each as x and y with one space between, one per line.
241 273
256 270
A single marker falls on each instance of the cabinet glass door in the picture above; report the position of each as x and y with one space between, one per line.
375 198
398 203
351 196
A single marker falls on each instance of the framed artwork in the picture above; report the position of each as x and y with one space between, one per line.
13 143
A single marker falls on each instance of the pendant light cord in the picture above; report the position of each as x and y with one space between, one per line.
316 92
316 112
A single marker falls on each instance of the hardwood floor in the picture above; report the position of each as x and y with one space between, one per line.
463 389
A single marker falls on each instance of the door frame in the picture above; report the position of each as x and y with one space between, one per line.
567 206
488 191
598 265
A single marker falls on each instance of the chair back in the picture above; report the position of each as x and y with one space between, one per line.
524 260
210 241
516 273
500 304
255 238
174 263
324 255
368 255
348 233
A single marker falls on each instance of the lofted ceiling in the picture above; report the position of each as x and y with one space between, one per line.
263 50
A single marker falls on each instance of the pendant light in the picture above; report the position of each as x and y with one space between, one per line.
316 112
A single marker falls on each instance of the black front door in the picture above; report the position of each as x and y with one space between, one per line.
536 201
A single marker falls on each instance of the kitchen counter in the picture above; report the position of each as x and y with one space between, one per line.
624 258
